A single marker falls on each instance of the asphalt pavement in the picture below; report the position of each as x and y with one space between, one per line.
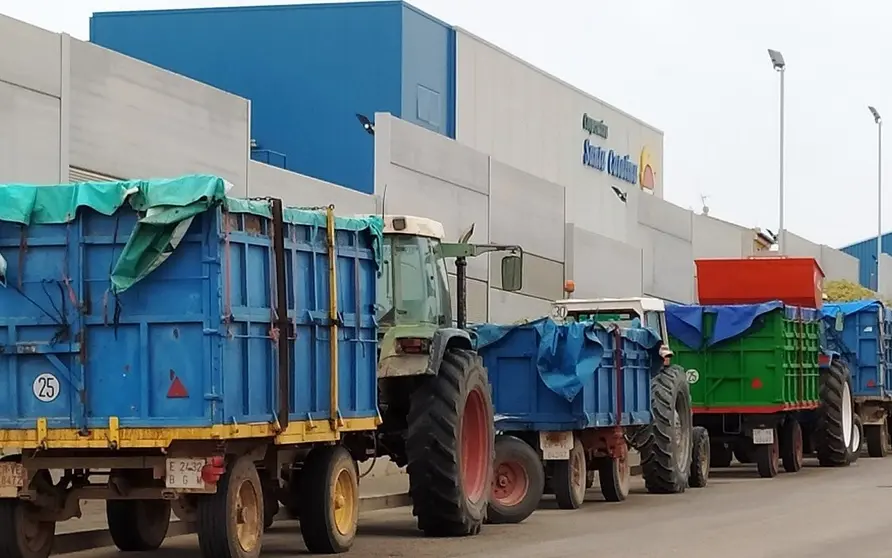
816 513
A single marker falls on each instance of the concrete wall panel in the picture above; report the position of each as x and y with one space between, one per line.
885 289
133 120
29 135
839 265
542 278
414 193
796 246
527 211
668 268
304 191
663 216
601 266
427 152
507 308
477 304
30 57
713 238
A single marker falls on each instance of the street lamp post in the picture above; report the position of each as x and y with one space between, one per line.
777 61
879 120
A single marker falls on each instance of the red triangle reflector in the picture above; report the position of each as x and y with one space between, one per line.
177 390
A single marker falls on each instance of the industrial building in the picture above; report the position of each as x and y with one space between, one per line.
463 132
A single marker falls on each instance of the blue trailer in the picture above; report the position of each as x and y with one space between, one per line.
574 395
191 347
861 333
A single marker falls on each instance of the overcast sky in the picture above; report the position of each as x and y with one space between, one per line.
698 70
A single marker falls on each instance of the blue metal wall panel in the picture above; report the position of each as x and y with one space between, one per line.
866 252
307 70
428 72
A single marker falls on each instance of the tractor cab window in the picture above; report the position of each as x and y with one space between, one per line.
412 288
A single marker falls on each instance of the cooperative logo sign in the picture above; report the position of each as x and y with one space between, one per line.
603 159
647 177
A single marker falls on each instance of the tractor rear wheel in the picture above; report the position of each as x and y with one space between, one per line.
450 447
666 452
835 417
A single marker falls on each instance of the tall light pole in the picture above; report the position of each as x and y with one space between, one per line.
879 120
777 60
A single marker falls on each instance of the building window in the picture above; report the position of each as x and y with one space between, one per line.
428 107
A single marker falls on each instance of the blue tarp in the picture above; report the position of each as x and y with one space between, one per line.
848 308
685 321
568 354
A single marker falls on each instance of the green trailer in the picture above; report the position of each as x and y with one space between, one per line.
762 385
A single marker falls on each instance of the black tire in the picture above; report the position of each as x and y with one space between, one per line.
217 521
876 440
743 452
17 522
666 464
720 454
791 445
328 472
290 492
766 457
270 502
138 525
445 503
568 478
831 442
701 455
615 477
517 463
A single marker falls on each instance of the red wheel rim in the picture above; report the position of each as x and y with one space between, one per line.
511 484
476 453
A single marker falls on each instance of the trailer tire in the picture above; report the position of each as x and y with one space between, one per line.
835 417
18 521
138 525
666 453
615 477
743 452
877 446
518 484
766 457
270 502
791 445
700 458
568 478
330 489
857 440
218 529
720 455
450 446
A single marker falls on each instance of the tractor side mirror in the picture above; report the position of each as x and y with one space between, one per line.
512 273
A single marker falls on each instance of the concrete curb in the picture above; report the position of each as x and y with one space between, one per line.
88 540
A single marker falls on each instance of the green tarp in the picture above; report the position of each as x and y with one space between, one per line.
168 207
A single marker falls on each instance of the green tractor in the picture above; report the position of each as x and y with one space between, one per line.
434 393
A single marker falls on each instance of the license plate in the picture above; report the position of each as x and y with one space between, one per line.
12 477
763 436
185 473
556 446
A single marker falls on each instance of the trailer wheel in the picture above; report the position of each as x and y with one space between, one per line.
589 477
138 525
720 454
270 502
615 476
791 445
230 522
450 447
666 452
835 417
22 534
766 457
700 458
876 440
568 478
518 484
743 452
857 439
330 489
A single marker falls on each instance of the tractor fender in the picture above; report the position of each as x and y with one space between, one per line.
827 357
443 340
